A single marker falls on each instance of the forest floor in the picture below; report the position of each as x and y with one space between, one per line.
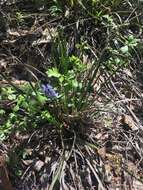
115 162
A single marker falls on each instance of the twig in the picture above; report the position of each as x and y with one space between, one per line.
94 172
128 108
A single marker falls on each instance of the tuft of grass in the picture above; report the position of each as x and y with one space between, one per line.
94 41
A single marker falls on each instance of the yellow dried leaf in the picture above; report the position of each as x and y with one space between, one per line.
126 119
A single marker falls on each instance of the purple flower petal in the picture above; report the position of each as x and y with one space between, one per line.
49 91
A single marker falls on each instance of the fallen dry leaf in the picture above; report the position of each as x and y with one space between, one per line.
128 72
108 173
102 152
127 120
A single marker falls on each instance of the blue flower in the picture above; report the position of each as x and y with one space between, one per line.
49 91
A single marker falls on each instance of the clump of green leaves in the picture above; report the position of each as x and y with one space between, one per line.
19 17
18 110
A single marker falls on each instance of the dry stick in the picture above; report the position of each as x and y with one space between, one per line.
93 170
6 184
128 108
96 175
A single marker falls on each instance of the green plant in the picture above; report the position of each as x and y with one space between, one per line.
56 8
19 17
73 81
64 110
18 109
